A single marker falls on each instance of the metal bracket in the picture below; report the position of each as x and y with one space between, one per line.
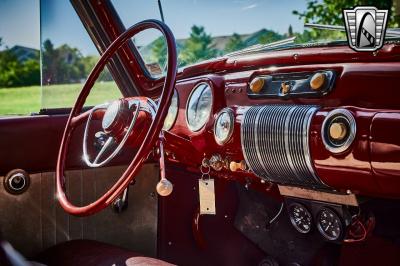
121 203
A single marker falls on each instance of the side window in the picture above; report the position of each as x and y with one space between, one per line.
45 59
150 43
68 56
19 58
153 49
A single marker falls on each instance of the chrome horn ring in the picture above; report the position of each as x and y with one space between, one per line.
111 140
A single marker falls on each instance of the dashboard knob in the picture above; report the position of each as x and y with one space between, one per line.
337 131
234 166
317 81
285 88
257 84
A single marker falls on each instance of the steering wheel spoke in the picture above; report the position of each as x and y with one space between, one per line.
107 145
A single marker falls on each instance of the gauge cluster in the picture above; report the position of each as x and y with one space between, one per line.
329 220
199 106
172 112
223 126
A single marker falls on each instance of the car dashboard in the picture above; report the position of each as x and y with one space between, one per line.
317 132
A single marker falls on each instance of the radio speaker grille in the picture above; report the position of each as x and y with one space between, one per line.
275 144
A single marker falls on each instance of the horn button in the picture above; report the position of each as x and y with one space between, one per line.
115 118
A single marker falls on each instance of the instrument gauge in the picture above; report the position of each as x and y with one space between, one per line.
198 107
329 224
223 126
172 112
300 218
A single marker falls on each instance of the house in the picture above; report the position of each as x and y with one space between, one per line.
24 53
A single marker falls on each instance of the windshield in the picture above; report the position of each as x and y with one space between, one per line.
207 29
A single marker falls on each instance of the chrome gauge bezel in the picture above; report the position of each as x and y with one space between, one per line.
169 110
348 116
231 115
321 230
292 218
199 127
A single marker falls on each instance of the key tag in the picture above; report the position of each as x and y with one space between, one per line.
206 192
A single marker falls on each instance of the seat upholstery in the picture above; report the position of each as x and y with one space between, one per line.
89 252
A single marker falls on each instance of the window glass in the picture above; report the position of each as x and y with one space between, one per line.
153 49
19 57
68 56
208 29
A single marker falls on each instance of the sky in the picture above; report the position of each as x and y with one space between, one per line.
19 22
19 19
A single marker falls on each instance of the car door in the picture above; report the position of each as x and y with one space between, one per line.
32 120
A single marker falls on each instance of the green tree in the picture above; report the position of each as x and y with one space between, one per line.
234 43
14 73
50 67
159 51
197 47
88 64
64 64
329 12
290 31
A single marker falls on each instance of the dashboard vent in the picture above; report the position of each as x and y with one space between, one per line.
275 144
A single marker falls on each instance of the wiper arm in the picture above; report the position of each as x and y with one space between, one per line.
263 47
391 32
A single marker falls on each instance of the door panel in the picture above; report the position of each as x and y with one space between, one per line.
34 220
32 142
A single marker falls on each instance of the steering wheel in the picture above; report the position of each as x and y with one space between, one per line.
111 123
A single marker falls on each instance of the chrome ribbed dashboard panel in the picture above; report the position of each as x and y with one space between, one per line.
275 143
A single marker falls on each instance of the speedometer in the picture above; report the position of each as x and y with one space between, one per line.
198 107
172 112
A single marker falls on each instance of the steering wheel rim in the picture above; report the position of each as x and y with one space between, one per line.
151 137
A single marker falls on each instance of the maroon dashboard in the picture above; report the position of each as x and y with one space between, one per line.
338 134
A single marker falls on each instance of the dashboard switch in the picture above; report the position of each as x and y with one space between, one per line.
257 84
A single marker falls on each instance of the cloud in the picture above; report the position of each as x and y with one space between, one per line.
249 7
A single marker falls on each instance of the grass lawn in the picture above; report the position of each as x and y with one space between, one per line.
26 100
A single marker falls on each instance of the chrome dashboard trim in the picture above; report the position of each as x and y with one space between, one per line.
231 114
187 105
275 143
346 114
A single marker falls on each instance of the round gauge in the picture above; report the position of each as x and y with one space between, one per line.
300 217
198 108
223 126
329 224
172 112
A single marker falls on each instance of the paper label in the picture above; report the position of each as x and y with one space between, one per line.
207 196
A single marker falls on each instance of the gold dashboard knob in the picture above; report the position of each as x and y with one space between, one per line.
317 81
234 166
337 131
256 85
285 88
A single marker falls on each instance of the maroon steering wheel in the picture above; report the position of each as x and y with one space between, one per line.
150 139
